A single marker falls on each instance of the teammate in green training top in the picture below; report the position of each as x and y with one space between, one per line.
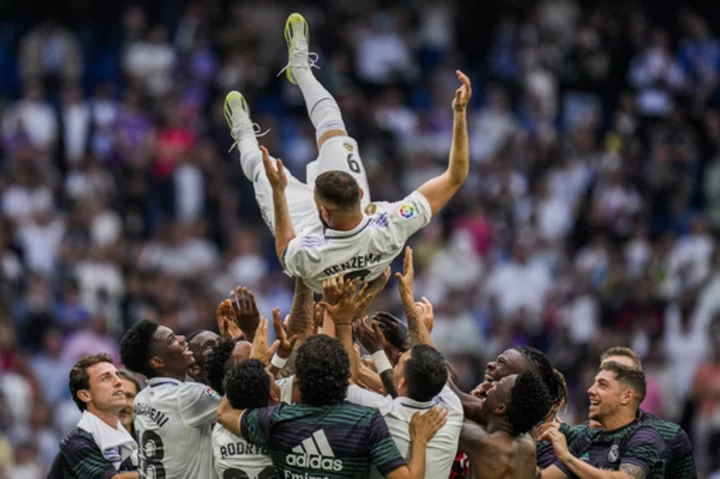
622 444
679 459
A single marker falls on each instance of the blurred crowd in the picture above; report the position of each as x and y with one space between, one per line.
590 218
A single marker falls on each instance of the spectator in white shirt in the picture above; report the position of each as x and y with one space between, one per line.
151 62
520 283
35 116
383 55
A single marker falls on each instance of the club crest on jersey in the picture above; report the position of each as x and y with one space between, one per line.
348 147
210 392
614 453
370 209
407 211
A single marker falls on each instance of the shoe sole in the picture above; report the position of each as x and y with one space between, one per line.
232 97
288 39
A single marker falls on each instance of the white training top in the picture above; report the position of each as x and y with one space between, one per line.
237 458
174 423
441 450
317 253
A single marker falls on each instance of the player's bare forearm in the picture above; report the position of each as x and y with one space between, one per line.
583 470
389 383
459 166
284 232
301 315
344 332
416 462
228 417
418 332
440 190
127 475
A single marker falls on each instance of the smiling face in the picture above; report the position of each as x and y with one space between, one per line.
606 396
172 354
498 397
105 392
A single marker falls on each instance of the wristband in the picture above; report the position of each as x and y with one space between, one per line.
381 361
277 361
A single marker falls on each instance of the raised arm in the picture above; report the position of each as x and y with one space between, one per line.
284 232
440 189
301 316
342 313
418 329
228 417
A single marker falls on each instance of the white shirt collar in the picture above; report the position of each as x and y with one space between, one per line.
331 233
154 382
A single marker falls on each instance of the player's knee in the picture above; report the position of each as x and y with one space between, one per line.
327 118
251 161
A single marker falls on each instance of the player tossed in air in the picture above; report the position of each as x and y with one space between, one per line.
328 225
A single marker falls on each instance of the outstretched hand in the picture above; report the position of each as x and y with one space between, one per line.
227 325
350 299
371 337
275 173
244 307
463 94
285 346
406 279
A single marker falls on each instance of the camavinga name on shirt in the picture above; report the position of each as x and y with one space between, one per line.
156 416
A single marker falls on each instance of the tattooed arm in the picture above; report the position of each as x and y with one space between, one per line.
300 322
418 331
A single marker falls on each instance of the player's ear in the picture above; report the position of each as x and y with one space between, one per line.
362 193
156 362
501 409
627 396
84 395
274 396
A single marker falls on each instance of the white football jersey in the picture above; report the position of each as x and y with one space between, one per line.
174 423
236 458
442 448
317 253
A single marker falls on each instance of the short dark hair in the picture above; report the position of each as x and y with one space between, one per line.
218 364
125 374
79 378
623 351
530 401
632 378
136 347
338 188
322 369
552 378
248 385
425 373
191 335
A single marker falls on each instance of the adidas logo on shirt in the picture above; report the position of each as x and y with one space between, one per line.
314 453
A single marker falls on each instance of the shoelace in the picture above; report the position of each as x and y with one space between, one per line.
257 130
312 62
